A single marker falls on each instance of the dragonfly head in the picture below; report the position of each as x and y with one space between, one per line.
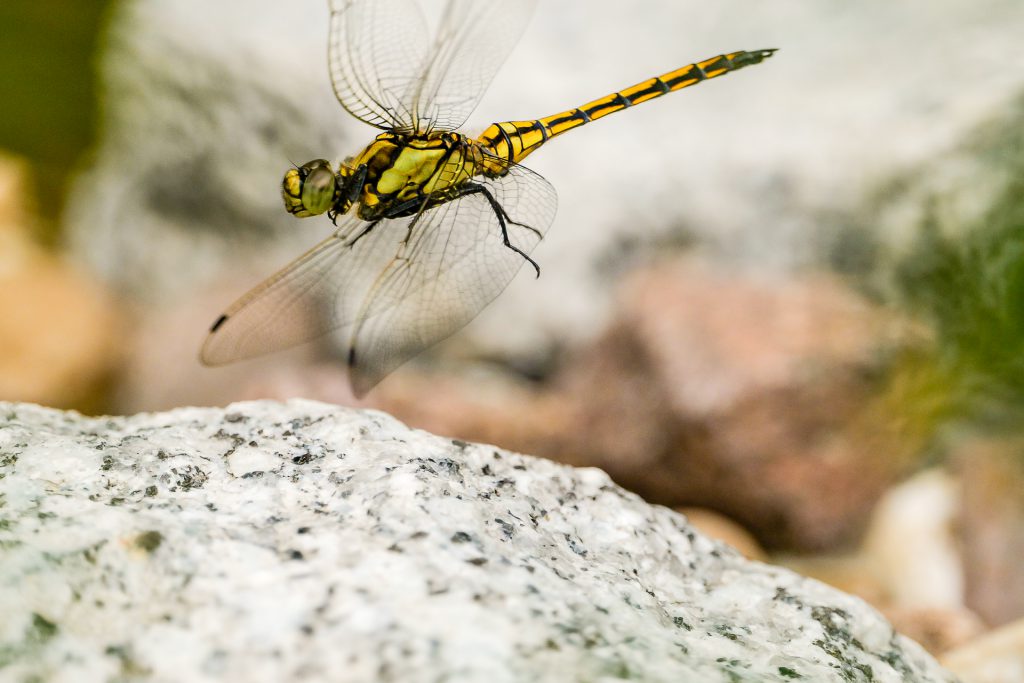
310 189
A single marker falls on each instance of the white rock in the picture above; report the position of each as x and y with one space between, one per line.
344 546
996 657
912 543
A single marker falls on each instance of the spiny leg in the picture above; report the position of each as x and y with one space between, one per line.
503 219
350 191
366 231
354 187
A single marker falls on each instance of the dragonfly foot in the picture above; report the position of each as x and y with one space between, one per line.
528 259
503 220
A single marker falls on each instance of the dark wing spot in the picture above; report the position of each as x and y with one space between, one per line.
220 321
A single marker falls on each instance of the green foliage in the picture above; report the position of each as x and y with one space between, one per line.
971 288
47 55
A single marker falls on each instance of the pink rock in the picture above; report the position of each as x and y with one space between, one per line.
751 396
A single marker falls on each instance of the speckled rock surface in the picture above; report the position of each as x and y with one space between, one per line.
302 542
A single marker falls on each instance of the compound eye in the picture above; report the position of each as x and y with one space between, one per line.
318 189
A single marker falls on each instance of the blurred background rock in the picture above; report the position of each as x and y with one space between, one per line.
773 300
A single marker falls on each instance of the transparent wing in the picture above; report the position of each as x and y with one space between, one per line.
474 39
308 298
454 263
376 52
387 73
393 288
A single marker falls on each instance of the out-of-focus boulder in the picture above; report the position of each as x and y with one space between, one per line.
483 406
911 543
936 629
752 396
991 527
996 657
59 328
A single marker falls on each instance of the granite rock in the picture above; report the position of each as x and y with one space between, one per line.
303 542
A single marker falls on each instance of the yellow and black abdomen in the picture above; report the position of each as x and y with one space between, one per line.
514 140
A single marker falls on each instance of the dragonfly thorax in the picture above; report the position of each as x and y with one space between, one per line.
395 175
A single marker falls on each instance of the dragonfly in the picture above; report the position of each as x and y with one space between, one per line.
430 224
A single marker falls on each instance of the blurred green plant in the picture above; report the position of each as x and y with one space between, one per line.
969 284
47 50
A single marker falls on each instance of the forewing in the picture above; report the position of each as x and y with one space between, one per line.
473 41
377 53
454 263
318 293
386 72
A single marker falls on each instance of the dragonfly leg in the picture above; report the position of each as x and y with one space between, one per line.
366 231
503 220
409 207
397 211
353 186
508 218
349 190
